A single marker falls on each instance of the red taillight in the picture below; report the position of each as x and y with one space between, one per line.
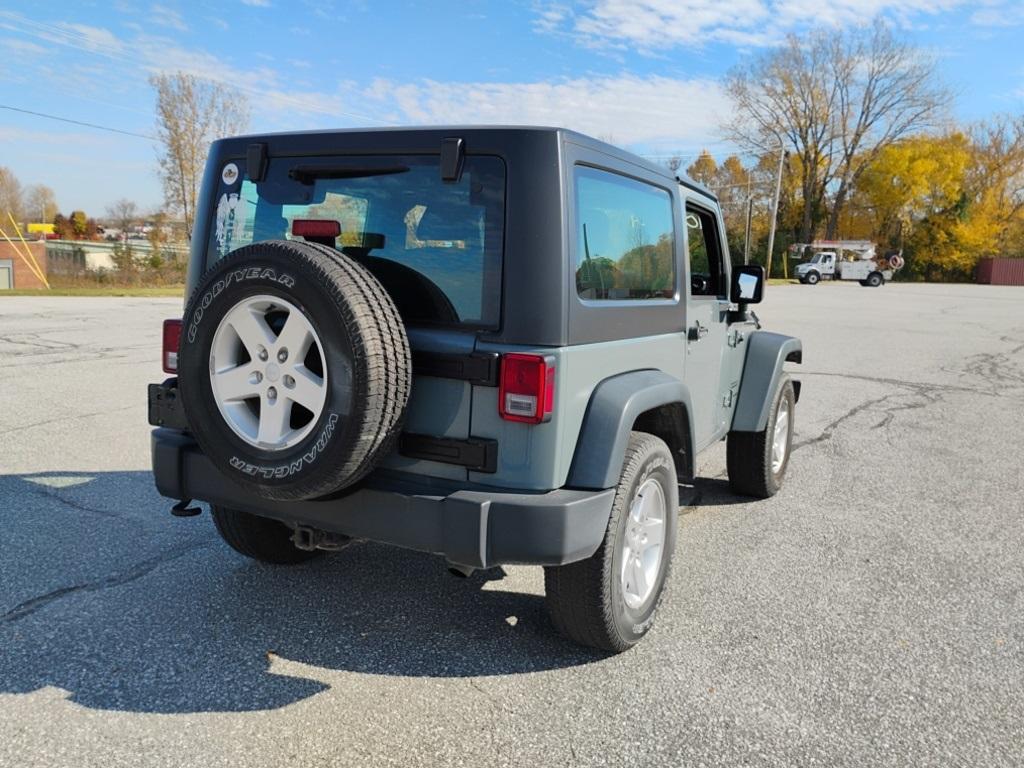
527 388
172 339
322 228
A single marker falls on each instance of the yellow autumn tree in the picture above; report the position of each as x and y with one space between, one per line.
912 180
703 169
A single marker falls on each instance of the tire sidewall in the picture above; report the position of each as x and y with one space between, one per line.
245 273
633 624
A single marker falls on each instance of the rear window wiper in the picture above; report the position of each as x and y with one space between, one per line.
307 174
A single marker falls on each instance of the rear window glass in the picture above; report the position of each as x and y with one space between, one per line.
435 245
624 247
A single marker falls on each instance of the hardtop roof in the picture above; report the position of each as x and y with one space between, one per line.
566 134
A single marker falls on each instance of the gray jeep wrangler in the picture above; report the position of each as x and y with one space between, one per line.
500 345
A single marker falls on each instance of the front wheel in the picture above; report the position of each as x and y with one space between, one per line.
757 461
608 601
813 278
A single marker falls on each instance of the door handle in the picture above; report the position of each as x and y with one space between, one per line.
697 332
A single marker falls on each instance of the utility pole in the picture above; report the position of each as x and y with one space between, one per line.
746 234
775 208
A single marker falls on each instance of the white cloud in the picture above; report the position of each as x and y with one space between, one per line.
257 3
628 109
22 47
551 17
995 13
96 39
648 111
167 17
659 24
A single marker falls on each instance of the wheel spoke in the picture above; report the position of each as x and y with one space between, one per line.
252 329
274 418
654 529
781 423
650 505
237 383
627 564
636 509
296 337
308 390
639 578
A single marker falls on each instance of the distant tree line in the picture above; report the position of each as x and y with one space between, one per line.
871 153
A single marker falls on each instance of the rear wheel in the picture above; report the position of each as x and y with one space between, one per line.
608 601
294 369
757 461
875 279
260 538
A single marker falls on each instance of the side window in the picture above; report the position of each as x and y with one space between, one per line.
625 240
707 270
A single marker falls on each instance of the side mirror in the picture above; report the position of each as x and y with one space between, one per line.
747 284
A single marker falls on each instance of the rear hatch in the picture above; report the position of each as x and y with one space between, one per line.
433 239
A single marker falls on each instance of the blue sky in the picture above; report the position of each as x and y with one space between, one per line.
644 74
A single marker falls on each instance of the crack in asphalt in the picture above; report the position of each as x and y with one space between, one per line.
43 346
39 490
136 572
917 386
831 428
67 418
992 366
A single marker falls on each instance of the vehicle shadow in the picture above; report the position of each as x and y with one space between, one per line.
709 492
111 599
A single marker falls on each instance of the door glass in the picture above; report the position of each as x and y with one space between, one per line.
705 250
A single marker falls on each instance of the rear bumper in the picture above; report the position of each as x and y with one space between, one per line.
475 528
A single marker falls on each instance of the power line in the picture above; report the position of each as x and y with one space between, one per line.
60 35
78 122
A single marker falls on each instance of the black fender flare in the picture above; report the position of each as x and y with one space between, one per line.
614 407
767 353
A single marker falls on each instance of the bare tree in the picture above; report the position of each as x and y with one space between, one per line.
191 113
10 194
40 203
122 214
787 97
886 90
836 100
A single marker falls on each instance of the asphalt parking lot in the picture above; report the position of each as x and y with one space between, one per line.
871 613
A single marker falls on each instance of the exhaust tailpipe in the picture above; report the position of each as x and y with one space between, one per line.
459 571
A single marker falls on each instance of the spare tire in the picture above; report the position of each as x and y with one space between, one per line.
294 369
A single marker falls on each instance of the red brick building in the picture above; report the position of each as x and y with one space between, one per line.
14 272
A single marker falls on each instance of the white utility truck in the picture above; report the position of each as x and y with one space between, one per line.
846 260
